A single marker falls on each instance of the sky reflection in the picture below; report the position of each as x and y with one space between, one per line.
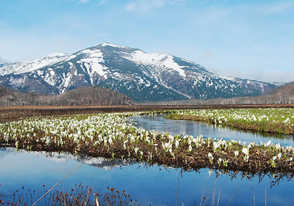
155 185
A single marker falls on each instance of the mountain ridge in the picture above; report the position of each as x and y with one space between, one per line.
139 75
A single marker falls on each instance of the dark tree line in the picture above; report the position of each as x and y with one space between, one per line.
94 96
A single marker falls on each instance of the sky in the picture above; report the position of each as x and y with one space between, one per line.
250 39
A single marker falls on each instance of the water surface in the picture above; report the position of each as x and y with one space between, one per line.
181 127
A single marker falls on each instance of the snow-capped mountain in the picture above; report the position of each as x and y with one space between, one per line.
141 76
27 66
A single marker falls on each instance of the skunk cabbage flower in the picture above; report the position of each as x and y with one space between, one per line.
236 153
245 151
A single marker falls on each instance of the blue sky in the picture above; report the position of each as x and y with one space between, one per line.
251 39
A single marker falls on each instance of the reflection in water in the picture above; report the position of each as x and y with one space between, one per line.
155 185
181 127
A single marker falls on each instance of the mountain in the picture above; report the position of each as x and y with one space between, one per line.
284 91
141 76
23 67
76 97
282 95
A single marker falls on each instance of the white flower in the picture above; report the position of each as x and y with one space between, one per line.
236 153
125 143
190 148
279 155
167 146
226 162
216 144
245 151
268 143
177 143
110 140
278 146
171 138
246 158
274 158
210 172
287 120
210 156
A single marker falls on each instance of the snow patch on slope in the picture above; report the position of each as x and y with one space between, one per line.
92 62
50 77
160 60
28 66
112 45
18 82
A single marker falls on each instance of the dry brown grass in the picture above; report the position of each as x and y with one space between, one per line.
17 112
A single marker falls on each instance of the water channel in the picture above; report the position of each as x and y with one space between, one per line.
150 185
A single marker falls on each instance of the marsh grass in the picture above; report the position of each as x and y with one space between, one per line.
270 120
113 136
79 195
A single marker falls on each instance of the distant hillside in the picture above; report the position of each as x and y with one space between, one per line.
104 97
282 95
287 90
81 96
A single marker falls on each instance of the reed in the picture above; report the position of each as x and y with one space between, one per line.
79 195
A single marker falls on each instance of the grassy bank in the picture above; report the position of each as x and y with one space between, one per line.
269 120
112 136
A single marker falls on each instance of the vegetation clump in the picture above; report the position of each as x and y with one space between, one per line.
114 136
272 120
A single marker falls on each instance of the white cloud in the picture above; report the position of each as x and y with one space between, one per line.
102 2
276 7
179 2
131 7
247 68
28 45
83 1
259 49
147 5
271 75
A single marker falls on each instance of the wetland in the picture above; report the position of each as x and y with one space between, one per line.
162 161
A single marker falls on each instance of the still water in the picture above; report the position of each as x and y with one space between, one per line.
181 127
155 185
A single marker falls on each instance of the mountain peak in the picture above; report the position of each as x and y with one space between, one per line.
105 44
141 76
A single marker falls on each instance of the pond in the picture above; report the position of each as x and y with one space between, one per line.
181 127
155 185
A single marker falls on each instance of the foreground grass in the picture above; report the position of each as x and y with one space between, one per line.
272 120
112 136
79 195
